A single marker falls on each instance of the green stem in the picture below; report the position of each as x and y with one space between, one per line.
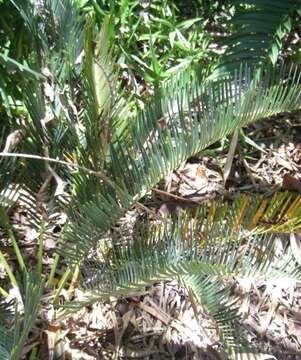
61 284
8 270
56 259
17 249
52 271
40 246
73 281
33 354
5 223
3 292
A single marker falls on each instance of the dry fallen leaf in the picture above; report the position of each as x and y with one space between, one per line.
286 164
291 183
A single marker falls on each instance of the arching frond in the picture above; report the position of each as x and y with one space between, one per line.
205 240
194 114
214 296
260 29
203 252
56 29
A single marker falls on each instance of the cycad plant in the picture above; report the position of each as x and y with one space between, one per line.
79 147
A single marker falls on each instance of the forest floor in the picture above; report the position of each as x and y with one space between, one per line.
164 322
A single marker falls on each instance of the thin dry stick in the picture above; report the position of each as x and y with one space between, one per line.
174 196
155 312
58 161
143 207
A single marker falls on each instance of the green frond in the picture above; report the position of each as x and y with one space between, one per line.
56 29
192 245
198 115
28 13
260 29
187 114
13 337
214 296
64 26
194 114
11 65
6 343
202 252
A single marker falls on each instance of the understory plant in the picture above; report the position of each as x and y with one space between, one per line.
78 148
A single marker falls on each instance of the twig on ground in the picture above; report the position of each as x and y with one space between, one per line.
177 197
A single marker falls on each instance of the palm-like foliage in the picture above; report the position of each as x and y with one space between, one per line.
203 252
201 114
14 334
79 130
260 30
215 238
